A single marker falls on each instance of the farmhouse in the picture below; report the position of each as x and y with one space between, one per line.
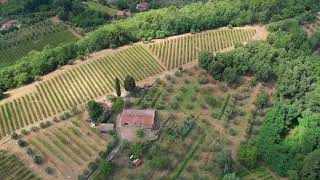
143 6
8 24
138 118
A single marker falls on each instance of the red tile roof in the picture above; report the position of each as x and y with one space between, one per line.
8 24
143 6
140 118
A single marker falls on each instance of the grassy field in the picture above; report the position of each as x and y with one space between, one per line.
67 147
11 167
11 55
176 52
100 8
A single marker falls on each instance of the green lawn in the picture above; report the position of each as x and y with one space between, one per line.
100 8
11 55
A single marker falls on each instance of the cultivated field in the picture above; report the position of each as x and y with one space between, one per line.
100 8
176 52
75 86
93 79
67 147
11 167
16 44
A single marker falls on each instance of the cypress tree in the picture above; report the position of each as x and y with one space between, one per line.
117 87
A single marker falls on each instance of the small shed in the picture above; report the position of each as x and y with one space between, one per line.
105 127
147 86
143 6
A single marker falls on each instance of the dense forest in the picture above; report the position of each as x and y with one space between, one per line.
33 11
289 140
155 4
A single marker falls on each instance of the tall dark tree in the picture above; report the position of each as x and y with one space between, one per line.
117 86
129 84
226 163
1 94
95 110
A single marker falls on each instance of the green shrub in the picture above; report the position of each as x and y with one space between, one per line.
233 132
14 136
93 166
49 170
203 79
29 151
22 143
38 159
223 87
140 132
178 74
158 81
168 77
34 129
247 155
25 132
262 100
211 100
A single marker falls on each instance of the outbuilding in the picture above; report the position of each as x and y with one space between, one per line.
105 127
143 6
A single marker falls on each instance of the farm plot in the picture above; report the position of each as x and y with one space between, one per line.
100 8
17 44
176 52
75 86
11 167
67 147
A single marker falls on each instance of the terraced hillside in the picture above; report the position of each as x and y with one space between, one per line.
95 78
11 167
75 86
176 52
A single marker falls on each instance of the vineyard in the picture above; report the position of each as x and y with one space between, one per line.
16 44
176 52
30 33
68 148
12 168
75 86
